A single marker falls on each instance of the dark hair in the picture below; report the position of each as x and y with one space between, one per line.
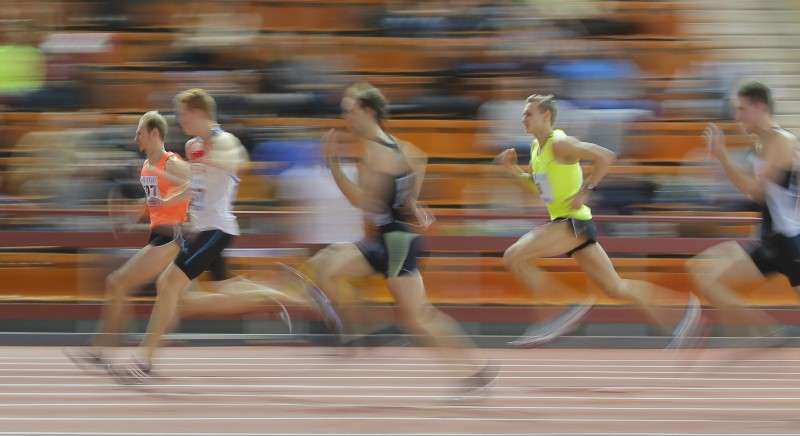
154 120
757 92
370 97
545 103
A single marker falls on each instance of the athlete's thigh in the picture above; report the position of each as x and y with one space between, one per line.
408 291
731 265
341 259
548 240
147 264
595 263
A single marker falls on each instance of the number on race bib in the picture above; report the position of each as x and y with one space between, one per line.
150 186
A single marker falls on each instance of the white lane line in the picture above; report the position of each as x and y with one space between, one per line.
23 371
302 357
341 365
120 393
393 377
400 387
51 433
160 404
379 418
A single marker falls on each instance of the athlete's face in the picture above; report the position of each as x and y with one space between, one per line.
192 121
355 116
532 118
749 113
146 138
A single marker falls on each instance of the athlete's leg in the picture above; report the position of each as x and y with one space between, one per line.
139 270
718 272
234 296
594 261
331 269
548 240
197 255
551 239
419 317
171 283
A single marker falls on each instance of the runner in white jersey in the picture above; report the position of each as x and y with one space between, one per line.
215 157
773 183
214 183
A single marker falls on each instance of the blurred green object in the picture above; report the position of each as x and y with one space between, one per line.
21 69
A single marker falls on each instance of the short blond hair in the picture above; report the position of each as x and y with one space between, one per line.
199 99
154 120
370 97
545 103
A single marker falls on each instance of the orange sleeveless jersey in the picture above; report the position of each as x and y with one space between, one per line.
157 186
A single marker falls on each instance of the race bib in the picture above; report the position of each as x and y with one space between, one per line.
543 185
150 186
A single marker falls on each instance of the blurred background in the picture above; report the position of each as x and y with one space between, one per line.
639 77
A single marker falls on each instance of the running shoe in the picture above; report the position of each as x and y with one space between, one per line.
320 300
87 359
565 323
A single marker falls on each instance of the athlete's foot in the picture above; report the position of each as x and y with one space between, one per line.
476 385
687 333
87 359
775 336
321 302
565 323
134 373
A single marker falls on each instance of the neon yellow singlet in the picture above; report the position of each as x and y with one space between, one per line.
557 182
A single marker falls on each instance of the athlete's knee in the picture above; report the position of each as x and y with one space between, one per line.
168 279
695 266
324 256
414 318
619 288
512 257
117 284
418 316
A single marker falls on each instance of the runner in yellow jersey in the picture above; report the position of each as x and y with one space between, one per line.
556 176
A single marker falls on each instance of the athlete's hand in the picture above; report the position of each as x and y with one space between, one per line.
329 146
507 159
715 140
579 199
423 217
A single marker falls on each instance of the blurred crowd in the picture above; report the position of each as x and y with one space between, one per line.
71 57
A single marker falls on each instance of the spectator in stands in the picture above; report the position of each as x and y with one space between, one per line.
22 63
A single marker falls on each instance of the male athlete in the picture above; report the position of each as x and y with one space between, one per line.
774 183
215 157
556 176
390 175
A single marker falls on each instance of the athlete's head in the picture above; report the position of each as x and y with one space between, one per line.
754 105
540 112
151 131
195 108
363 106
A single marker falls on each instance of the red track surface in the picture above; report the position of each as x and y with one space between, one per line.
312 391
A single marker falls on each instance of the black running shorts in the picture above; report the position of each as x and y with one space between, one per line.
202 252
778 254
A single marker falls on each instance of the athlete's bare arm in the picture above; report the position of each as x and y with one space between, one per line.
570 150
778 157
179 172
118 207
418 161
352 191
227 153
508 162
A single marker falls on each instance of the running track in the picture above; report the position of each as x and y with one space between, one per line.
387 391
